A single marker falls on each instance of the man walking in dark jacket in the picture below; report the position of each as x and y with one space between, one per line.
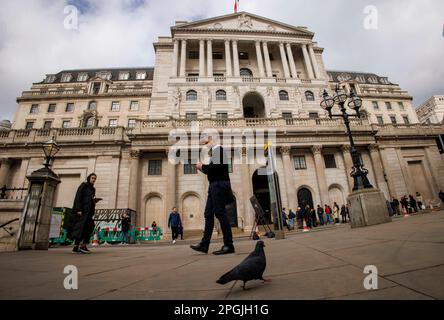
175 223
219 195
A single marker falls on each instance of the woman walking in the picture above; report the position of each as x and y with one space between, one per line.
83 214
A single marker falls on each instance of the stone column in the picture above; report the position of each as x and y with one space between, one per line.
247 192
307 62
201 58
210 59
133 192
314 62
284 61
320 173
294 71
378 169
228 58
267 60
171 193
236 59
289 182
4 170
183 59
346 153
175 57
260 61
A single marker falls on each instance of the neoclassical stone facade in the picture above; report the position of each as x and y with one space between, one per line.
239 72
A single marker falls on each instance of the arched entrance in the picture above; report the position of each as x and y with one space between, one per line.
232 214
154 211
192 212
262 192
305 197
254 106
336 195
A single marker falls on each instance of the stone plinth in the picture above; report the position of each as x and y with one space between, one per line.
368 207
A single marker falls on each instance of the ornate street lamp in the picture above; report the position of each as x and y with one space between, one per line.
50 148
359 173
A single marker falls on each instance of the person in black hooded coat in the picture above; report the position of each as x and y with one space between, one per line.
82 225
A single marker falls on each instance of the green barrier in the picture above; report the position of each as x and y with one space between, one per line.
148 234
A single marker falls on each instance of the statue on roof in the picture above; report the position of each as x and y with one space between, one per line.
244 21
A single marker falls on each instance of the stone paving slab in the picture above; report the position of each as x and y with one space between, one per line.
326 264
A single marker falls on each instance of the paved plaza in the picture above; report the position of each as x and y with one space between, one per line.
327 264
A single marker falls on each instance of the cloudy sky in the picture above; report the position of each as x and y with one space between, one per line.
407 46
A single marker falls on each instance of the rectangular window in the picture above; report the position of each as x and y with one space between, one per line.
393 119
401 106
124 76
193 55
66 77
82 77
34 109
189 168
134 106
115 106
299 163
96 88
287 115
29 125
69 107
375 105
218 56
380 120
221 115
406 119
66 124
51 108
313 115
47 125
243 56
132 123
141 75
155 167
113 123
330 162
191 116
388 105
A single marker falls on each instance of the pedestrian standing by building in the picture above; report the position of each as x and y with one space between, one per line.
389 208
300 218
284 218
336 213
83 211
395 204
405 204
307 216
344 214
314 219
320 215
291 218
412 203
419 200
220 195
126 223
328 214
174 222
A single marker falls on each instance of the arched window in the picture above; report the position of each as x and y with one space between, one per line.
221 95
244 72
191 95
309 96
283 95
92 105
89 122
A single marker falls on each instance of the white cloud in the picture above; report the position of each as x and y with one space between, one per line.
407 47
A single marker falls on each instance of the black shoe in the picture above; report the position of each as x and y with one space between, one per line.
84 250
224 250
199 248
75 250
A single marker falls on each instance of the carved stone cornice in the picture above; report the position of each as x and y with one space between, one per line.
346 148
373 148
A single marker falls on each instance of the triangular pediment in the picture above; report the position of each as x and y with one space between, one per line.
242 21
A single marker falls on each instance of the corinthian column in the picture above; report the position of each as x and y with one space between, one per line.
267 60
228 58
183 58
288 172
307 62
210 59
284 61
175 57
378 169
346 153
320 173
314 61
236 59
4 170
294 71
260 61
171 185
133 193
201 58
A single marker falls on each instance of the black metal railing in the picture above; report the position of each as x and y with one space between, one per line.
12 193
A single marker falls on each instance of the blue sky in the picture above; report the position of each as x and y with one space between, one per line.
407 46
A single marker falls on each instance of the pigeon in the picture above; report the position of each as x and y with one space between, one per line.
252 268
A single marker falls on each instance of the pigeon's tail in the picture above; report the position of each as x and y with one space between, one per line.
225 278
